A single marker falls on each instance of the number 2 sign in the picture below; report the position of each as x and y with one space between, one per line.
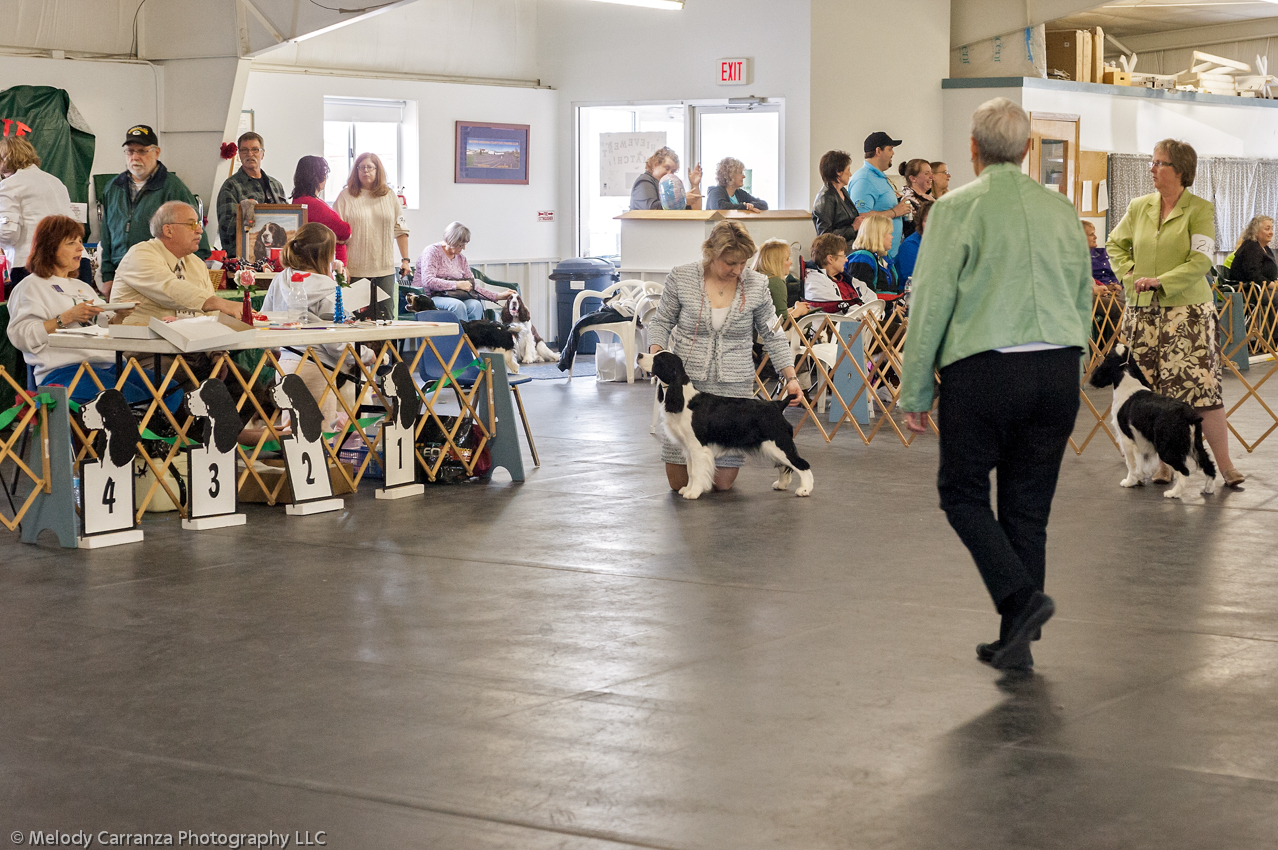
304 451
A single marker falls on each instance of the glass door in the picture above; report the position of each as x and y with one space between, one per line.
750 133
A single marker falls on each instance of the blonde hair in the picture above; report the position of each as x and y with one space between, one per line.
659 156
1252 230
772 257
18 153
875 235
729 238
311 249
1087 225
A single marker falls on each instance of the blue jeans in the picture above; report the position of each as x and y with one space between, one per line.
134 389
465 311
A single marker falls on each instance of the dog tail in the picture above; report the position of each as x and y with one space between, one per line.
1200 451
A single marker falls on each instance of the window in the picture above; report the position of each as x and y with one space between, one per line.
388 128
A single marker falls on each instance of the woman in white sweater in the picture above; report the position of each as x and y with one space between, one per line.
27 195
50 298
377 223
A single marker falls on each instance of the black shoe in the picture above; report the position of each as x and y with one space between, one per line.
985 653
1014 653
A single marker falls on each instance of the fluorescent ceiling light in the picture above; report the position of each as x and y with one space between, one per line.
676 5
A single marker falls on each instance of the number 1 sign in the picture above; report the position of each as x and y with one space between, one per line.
213 501
107 509
399 456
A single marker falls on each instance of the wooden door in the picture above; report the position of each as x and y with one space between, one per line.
1054 156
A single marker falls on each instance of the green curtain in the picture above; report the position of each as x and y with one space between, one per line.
45 117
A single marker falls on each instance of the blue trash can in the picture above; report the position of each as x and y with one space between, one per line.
573 276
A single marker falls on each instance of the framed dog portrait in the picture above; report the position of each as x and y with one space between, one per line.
491 153
273 225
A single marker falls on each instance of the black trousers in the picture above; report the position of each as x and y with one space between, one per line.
1012 413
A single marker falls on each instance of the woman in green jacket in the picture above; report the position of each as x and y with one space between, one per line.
1161 250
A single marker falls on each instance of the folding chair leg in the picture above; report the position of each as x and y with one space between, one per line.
532 447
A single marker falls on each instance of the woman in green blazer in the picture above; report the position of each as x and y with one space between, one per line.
1161 250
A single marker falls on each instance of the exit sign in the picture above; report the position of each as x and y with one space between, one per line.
736 72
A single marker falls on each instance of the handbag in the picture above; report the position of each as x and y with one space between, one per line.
432 440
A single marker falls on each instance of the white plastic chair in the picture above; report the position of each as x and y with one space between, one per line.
626 332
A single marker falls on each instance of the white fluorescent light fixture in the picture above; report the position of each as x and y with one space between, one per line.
673 5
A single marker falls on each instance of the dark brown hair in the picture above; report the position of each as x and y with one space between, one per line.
50 233
239 143
832 163
379 181
920 217
310 172
311 249
827 245
912 168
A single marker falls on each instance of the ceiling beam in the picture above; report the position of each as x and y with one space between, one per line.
1203 36
976 20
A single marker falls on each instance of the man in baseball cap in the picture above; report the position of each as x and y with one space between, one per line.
871 190
129 201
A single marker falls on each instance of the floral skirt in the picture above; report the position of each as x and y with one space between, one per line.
1178 349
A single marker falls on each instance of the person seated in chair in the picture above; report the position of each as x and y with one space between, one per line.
825 287
1253 258
728 194
442 270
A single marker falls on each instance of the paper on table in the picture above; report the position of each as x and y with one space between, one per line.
1102 196
86 330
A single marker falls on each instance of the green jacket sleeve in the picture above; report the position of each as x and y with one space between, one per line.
228 198
177 191
107 238
942 256
776 286
1119 248
1202 243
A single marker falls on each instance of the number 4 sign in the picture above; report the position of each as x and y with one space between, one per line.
213 501
107 510
304 451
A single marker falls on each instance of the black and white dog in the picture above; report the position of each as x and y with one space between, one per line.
1153 427
706 426
494 336
529 346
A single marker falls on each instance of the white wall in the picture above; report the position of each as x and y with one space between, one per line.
877 66
112 96
289 113
956 150
601 52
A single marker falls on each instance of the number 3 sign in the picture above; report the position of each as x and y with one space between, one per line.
304 451
106 484
213 480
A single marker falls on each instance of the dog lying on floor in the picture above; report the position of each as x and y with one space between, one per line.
484 333
529 346
1153 427
706 426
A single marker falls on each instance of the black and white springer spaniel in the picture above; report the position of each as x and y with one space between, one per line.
529 346
706 426
1153 427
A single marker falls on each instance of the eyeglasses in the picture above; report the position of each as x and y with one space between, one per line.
1154 163
250 150
368 166
940 174
194 225
137 151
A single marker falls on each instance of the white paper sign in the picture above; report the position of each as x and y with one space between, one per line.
307 469
212 482
622 157
106 494
80 212
1102 196
1087 195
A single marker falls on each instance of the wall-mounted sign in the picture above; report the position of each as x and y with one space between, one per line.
545 215
736 72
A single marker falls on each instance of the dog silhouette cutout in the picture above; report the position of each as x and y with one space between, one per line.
106 484
304 453
212 464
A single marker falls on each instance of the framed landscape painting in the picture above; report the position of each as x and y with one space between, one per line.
491 153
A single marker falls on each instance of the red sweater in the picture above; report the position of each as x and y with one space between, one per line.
317 210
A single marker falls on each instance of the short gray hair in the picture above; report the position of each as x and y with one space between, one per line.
167 214
456 235
1001 129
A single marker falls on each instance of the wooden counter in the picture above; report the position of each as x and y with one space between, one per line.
659 240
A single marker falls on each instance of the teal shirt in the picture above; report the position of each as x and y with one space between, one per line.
1004 262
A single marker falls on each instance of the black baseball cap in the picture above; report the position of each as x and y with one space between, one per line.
140 134
878 140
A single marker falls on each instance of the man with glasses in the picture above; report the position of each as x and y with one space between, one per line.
164 274
130 200
246 188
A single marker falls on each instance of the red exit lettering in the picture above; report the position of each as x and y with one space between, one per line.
730 72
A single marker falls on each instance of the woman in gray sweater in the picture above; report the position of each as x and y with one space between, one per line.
715 307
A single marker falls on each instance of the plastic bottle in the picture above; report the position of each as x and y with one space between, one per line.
297 302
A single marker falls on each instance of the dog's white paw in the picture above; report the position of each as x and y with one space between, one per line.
1210 487
1130 481
780 485
803 491
690 492
806 480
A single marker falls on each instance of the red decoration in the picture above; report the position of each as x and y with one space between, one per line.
217 257
246 313
298 277
229 150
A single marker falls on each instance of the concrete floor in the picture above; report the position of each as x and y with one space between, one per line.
585 661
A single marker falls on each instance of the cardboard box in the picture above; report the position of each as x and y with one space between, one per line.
132 332
1015 54
205 333
1098 54
1069 51
251 492
1115 77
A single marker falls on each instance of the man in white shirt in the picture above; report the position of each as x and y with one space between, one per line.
164 275
27 195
